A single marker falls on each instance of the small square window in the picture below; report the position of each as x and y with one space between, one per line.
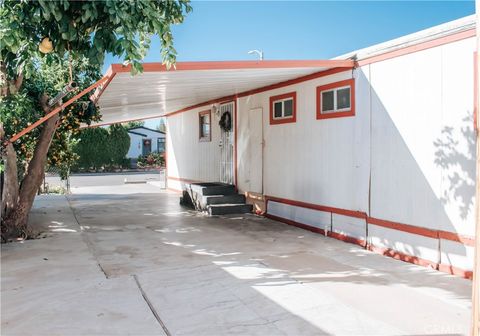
336 100
283 108
204 126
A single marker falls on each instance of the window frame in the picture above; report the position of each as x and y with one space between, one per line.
336 113
202 138
283 97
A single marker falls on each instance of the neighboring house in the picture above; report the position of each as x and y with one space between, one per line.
376 147
145 140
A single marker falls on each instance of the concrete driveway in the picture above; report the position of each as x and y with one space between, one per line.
128 260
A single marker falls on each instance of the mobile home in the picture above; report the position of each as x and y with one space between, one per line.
376 147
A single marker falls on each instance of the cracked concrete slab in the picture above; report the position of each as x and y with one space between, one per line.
234 275
53 286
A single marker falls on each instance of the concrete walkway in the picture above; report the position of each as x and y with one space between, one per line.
130 261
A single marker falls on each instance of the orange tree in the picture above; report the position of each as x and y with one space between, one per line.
80 33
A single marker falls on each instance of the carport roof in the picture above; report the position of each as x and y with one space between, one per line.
158 91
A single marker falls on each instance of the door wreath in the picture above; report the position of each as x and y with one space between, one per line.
226 121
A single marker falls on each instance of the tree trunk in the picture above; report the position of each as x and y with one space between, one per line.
9 194
15 224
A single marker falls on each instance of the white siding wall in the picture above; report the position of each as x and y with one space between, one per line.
423 149
189 158
135 146
314 161
394 160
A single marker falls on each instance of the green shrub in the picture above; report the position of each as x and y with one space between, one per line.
102 148
92 148
118 143
152 160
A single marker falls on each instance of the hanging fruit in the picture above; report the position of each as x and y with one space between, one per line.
46 46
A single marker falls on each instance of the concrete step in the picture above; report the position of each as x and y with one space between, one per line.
213 188
223 199
227 209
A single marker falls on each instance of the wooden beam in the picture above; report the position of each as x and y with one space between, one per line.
56 110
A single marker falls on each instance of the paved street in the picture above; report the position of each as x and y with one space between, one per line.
127 259
105 179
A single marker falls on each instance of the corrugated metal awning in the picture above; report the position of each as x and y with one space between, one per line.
158 91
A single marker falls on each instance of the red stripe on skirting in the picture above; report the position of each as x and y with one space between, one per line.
403 257
331 234
404 227
465 240
455 271
350 213
430 233
379 250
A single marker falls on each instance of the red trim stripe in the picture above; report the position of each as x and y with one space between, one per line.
403 257
466 240
289 82
404 227
350 213
335 235
455 271
421 231
261 89
96 95
237 65
379 250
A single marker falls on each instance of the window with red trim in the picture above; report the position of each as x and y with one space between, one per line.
283 108
205 131
336 100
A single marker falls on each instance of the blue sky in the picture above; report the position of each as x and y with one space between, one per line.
227 30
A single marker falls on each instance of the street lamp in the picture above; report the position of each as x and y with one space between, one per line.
258 52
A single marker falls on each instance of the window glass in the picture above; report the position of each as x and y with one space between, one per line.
206 130
278 110
205 126
327 101
161 144
343 98
288 108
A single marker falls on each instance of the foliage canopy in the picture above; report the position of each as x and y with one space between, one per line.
86 29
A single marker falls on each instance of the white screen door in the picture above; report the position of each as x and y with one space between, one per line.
255 151
227 147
